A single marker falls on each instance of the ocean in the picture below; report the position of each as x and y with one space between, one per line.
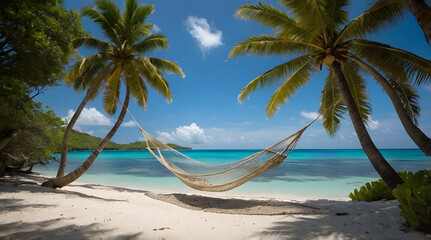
317 173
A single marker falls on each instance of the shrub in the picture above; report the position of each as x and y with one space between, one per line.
373 191
414 197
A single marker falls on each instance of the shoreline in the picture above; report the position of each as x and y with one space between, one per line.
94 211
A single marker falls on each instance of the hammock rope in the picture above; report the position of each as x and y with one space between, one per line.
219 178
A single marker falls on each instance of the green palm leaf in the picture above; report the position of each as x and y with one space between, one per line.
275 75
112 91
92 42
108 27
151 43
405 91
268 15
331 108
394 62
167 66
357 88
300 77
268 46
308 13
409 97
383 14
137 85
154 77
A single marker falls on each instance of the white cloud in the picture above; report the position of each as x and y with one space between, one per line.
309 115
128 124
188 134
428 88
373 124
201 31
89 117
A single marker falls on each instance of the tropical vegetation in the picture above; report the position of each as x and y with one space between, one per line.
35 44
119 60
319 34
389 13
414 196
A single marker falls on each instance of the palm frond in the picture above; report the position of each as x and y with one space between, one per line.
97 82
151 43
268 46
132 22
332 112
91 42
335 15
382 14
108 27
357 88
274 75
409 97
300 77
112 91
308 13
84 69
154 77
163 65
394 62
137 86
268 15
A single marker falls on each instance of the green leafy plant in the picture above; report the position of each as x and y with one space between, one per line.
414 197
372 191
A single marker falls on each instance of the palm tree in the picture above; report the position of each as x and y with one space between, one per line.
320 34
393 10
120 60
419 8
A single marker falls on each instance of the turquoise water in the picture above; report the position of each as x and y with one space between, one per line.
321 173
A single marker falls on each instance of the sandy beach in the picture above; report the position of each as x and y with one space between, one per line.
91 211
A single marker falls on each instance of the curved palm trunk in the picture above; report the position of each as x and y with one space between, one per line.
64 147
422 13
386 172
421 140
69 178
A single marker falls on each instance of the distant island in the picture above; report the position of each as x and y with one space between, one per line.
83 141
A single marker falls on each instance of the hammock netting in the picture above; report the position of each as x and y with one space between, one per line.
219 178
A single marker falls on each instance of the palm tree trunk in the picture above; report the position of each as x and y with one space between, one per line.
419 137
383 168
64 147
69 178
422 13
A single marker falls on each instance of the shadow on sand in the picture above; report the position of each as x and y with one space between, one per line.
46 230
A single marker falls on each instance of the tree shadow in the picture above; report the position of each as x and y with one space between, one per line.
115 188
31 183
44 230
344 220
12 205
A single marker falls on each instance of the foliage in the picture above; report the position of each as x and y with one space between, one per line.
35 44
84 141
414 197
318 33
121 55
38 138
35 40
372 191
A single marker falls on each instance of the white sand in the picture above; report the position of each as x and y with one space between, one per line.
90 211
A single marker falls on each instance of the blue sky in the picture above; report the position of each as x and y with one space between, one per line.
205 113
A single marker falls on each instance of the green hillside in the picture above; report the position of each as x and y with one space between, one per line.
83 141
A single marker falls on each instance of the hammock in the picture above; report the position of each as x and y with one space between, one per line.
219 178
